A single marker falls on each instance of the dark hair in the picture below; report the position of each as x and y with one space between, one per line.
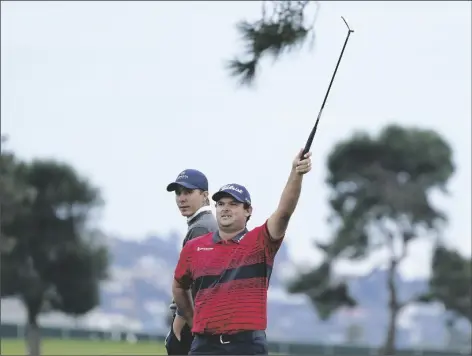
207 200
247 206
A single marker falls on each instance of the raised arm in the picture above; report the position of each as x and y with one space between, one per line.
278 222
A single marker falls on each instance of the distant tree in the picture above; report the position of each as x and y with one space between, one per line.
380 200
54 261
284 26
326 294
16 195
450 284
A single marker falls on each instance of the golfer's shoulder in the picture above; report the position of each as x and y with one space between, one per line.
206 221
195 232
259 230
198 242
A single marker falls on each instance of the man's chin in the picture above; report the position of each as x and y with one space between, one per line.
186 213
226 224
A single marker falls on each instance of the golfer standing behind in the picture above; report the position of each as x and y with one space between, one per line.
230 270
191 196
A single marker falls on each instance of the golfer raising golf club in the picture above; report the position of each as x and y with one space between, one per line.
191 196
230 270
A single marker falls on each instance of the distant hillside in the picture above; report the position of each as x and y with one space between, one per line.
138 294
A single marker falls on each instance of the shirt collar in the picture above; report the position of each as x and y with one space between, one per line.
201 210
217 238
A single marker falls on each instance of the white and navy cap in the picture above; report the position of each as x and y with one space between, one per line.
190 179
236 191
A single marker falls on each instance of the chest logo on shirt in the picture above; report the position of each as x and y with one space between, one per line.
204 248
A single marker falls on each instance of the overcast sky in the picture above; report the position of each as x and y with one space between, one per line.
132 93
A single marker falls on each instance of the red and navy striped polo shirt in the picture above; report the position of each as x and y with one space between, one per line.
230 278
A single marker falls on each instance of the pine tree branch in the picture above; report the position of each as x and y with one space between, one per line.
284 30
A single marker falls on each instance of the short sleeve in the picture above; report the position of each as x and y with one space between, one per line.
195 232
270 245
183 273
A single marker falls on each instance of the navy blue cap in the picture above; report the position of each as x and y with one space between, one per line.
190 179
236 191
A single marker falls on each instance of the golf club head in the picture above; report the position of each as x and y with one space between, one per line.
351 31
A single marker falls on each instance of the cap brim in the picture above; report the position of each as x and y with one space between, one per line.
218 195
174 185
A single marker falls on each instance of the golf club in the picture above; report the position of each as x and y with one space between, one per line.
313 131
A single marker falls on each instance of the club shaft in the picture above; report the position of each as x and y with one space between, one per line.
313 131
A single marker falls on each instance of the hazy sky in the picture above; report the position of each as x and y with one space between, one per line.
132 93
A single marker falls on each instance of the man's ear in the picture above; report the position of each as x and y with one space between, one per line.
205 195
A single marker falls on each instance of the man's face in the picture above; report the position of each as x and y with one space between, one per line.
231 214
190 200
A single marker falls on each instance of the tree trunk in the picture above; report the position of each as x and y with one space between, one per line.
394 308
33 333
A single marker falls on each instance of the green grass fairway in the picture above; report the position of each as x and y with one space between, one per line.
84 347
